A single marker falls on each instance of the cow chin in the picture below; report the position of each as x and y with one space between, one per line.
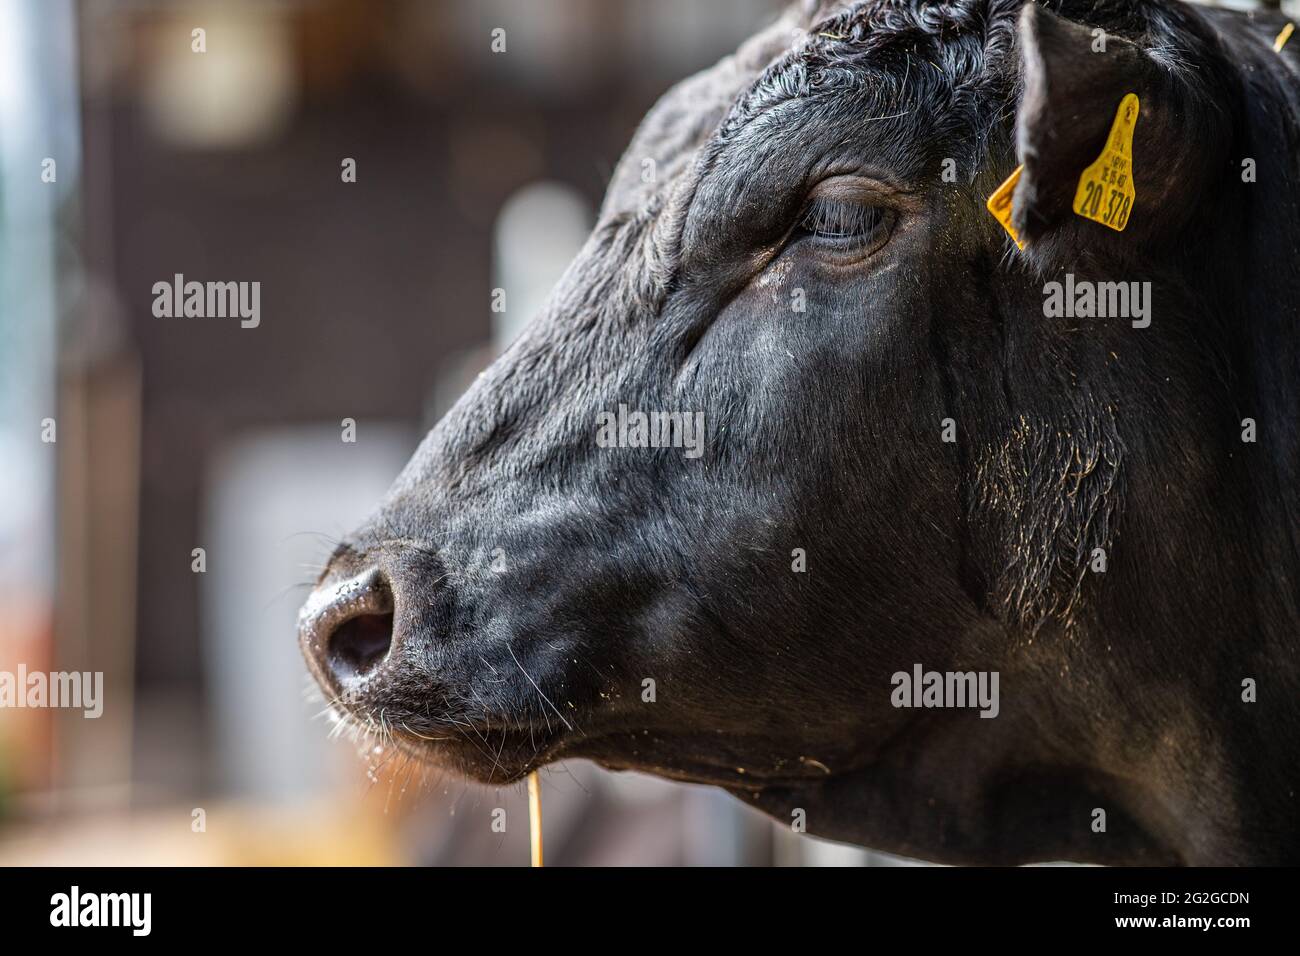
491 753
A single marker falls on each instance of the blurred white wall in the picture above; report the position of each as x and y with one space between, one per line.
278 502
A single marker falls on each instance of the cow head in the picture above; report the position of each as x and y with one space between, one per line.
794 421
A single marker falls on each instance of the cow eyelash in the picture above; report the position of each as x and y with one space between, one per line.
843 223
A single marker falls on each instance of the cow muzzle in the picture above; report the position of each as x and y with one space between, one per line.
397 669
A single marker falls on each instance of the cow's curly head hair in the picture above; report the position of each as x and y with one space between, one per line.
957 57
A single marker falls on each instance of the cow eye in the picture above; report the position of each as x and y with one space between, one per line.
846 225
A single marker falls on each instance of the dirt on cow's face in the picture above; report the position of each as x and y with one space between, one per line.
794 421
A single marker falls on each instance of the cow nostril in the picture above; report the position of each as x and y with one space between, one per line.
345 628
360 644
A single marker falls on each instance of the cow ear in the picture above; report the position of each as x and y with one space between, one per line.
1085 94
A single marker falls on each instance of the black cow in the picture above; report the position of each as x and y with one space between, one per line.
908 462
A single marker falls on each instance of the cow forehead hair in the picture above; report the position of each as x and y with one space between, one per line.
878 43
799 54
956 56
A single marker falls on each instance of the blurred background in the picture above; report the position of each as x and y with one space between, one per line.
129 441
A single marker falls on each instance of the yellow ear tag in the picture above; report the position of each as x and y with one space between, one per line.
1000 205
1105 192
1280 40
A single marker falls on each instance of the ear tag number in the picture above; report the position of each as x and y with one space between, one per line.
1105 192
1000 205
